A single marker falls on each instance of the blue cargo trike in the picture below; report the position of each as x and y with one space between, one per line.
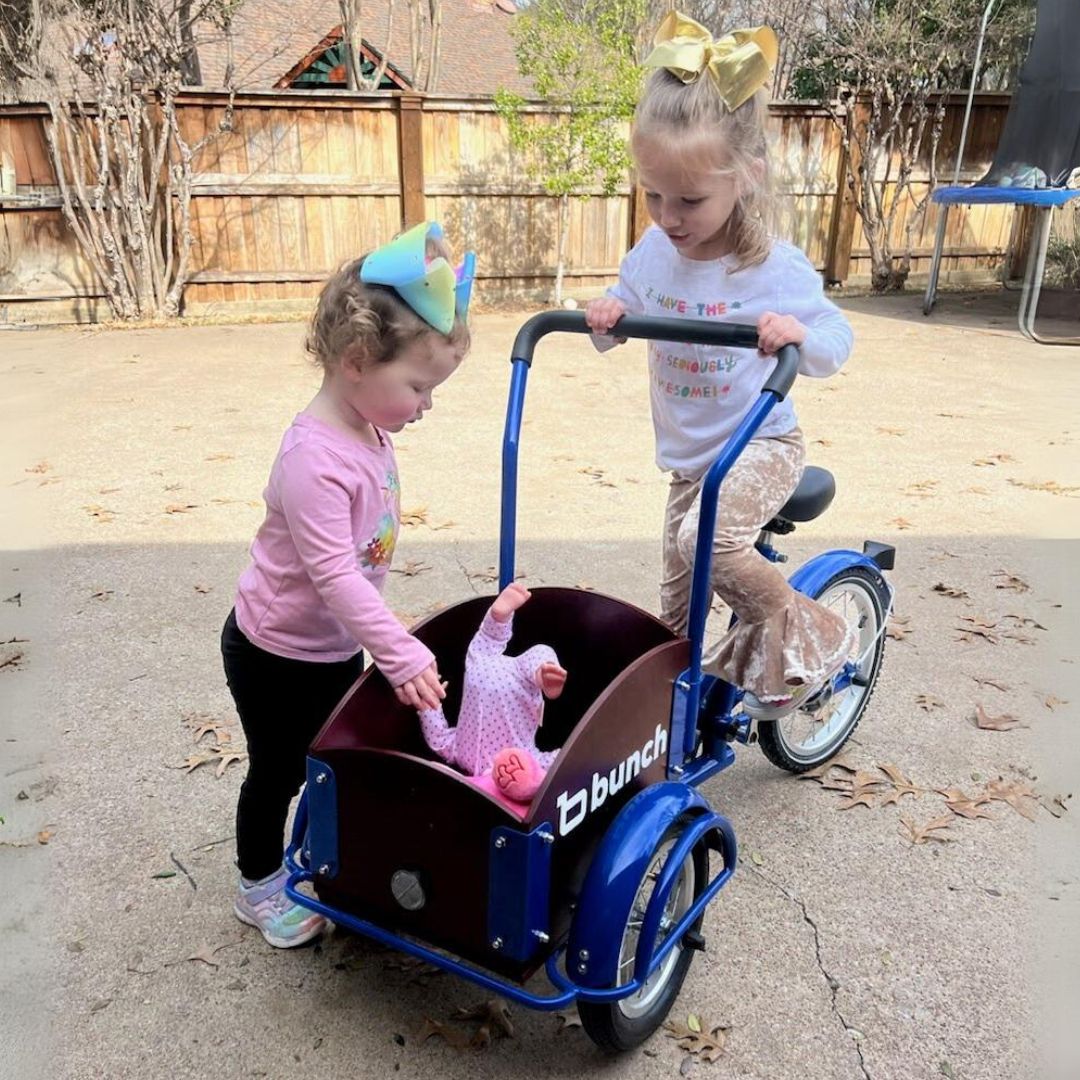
604 881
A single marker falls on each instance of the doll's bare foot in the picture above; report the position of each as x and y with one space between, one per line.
551 679
508 601
517 774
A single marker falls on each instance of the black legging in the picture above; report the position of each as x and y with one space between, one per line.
282 704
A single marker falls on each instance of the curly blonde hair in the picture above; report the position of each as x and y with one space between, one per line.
692 117
357 324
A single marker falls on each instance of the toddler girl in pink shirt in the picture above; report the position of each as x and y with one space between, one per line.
388 329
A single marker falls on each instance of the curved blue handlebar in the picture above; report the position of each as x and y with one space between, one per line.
694 331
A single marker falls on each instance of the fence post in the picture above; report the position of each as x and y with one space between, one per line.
844 216
410 116
639 214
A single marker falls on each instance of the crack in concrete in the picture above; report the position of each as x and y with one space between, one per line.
464 570
832 983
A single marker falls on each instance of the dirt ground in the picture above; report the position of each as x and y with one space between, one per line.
131 469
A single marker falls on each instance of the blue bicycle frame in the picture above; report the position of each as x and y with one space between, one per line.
693 331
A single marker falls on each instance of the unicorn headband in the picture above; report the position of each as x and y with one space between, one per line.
739 64
435 291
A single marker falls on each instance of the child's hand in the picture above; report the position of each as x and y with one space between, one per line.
425 691
602 314
774 331
551 679
508 601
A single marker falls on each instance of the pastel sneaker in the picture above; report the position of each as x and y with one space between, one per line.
266 906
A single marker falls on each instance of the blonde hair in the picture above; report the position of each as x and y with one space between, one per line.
357 323
681 113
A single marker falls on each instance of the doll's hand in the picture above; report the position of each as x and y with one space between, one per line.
551 679
775 331
602 314
425 691
508 601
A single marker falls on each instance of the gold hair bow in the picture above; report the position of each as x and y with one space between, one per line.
740 63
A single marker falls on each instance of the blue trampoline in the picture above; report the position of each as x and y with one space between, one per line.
1041 137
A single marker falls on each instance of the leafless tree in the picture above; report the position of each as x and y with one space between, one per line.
425 39
352 40
883 71
110 73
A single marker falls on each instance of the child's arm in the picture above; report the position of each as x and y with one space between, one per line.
498 625
807 318
437 733
317 509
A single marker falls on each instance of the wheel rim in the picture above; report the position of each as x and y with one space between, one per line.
812 733
678 903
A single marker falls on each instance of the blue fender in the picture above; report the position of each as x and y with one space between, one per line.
812 575
616 871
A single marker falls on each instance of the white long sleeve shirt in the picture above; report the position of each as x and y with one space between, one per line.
700 393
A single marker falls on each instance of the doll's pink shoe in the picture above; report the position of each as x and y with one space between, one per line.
517 774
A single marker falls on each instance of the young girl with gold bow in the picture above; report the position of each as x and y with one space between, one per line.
388 329
700 152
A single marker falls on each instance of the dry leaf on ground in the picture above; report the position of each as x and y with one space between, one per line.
102 515
901 785
921 488
1052 701
181 508
597 475
927 702
1004 722
898 627
995 683
412 568
457 1039
707 1043
494 1021
891 431
966 805
224 756
901 523
1005 580
1016 793
953 591
417 516
856 798
1054 804
1051 487
841 761
922 834
567 1021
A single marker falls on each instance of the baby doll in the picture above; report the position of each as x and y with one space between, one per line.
502 705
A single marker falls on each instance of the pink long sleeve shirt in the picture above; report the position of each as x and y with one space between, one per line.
313 590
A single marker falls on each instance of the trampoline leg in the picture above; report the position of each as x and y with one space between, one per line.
1033 280
935 261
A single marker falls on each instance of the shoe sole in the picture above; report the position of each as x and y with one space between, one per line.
279 942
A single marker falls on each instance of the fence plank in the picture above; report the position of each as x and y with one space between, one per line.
305 181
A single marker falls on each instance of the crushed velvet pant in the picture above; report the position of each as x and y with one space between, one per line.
782 639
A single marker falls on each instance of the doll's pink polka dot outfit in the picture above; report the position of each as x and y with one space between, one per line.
501 703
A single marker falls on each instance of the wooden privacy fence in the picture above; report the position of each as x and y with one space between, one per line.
306 180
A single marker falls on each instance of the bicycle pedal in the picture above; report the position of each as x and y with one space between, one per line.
693 940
